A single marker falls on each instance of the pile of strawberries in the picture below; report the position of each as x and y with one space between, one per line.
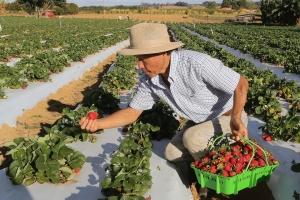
232 159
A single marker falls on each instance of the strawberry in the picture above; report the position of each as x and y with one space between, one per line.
232 160
41 80
125 129
206 160
212 153
254 163
213 169
268 138
225 173
220 165
264 136
196 162
204 168
26 84
83 61
261 162
258 153
247 157
228 168
92 115
232 174
76 170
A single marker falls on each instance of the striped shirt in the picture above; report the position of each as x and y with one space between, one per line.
201 87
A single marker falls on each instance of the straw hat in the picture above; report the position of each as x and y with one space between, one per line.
149 38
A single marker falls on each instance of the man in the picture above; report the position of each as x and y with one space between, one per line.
195 86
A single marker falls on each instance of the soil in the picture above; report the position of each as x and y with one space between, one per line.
48 111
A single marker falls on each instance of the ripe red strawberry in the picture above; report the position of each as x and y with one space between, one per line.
254 163
213 169
83 61
204 168
259 153
225 173
77 170
196 162
41 80
232 160
247 157
239 165
23 87
212 153
264 136
92 115
228 168
206 160
201 164
232 174
261 162
268 138
26 84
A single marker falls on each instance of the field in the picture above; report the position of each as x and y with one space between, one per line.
82 38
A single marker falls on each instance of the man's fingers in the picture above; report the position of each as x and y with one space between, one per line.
81 121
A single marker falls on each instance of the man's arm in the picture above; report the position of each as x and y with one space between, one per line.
239 101
119 118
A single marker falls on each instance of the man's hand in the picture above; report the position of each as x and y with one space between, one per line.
89 125
238 128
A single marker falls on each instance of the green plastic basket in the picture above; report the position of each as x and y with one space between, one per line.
232 185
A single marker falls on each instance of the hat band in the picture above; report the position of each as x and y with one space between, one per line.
149 43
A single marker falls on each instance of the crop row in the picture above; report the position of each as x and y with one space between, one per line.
74 41
277 45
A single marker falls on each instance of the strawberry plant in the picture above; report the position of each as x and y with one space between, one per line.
285 128
129 171
118 79
69 123
42 159
161 118
102 100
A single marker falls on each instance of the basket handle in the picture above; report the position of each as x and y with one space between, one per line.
252 144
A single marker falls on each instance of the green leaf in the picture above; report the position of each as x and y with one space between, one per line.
64 151
9 144
45 163
106 182
29 181
66 169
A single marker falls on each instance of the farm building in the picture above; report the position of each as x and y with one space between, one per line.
49 14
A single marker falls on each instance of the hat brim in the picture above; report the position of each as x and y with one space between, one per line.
131 52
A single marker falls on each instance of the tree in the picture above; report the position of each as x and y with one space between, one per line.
226 4
181 4
285 12
212 5
41 5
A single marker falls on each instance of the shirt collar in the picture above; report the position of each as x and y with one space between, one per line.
157 80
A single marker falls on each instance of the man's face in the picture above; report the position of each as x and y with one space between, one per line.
151 64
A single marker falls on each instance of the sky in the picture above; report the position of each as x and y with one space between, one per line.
81 3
